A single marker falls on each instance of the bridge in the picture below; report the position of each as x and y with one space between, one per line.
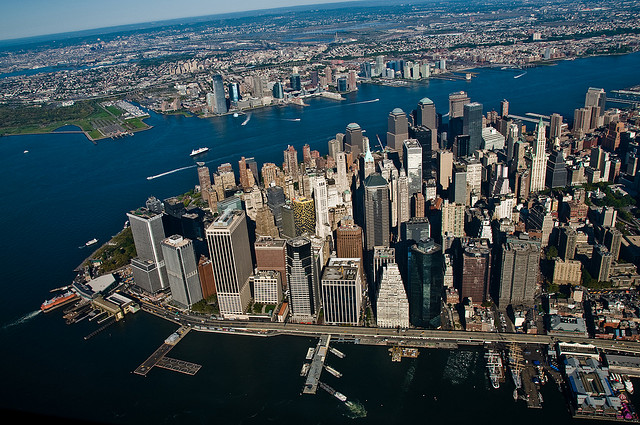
418 338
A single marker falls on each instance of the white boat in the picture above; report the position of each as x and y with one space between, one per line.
627 384
235 115
26 151
340 396
199 151
305 369
91 242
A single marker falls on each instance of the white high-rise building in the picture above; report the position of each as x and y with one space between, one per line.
392 303
342 180
342 291
404 208
538 160
149 270
452 219
413 165
319 184
228 240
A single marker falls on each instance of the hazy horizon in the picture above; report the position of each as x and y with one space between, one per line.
33 18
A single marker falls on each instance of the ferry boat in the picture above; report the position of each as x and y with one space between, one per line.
199 151
340 396
91 242
305 369
58 301
333 371
333 392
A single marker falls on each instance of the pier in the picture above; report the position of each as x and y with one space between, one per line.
158 357
313 377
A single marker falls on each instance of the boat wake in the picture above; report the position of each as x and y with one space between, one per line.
171 172
247 120
459 366
365 101
356 410
23 319
291 119
408 379
519 75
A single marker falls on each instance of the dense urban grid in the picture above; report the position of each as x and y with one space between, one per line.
462 221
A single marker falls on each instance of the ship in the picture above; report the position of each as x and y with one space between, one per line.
310 353
91 242
628 385
333 371
495 368
58 301
305 369
199 151
333 392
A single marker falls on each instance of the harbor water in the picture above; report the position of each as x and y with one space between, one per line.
66 191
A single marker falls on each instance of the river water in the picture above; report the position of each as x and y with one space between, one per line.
66 191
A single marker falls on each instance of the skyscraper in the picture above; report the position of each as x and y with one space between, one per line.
323 228
413 165
392 305
402 198
303 282
228 241
219 100
149 271
397 129
234 92
472 126
204 178
304 215
556 170
294 81
457 101
555 127
476 278
519 271
567 243
354 140
291 162
445 168
376 211
601 263
596 98
271 255
426 117
182 270
341 287
538 159
349 241
504 108
425 283
342 180
277 91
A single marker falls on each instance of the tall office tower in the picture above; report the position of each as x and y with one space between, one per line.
474 175
288 229
539 159
244 178
382 256
234 92
182 270
328 73
379 67
304 215
154 205
512 139
457 101
319 185
149 271
259 85
596 98
413 165
369 164
269 174
352 80
445 168
376 211
294 81
291 162
275 201
472 126
303 282
556 170
267 287
354 140
426 117
425 283
342 179
205 273
204 179
228 240
334 147
227 176
458 188
306 154
402 198
519 271
452 219
417 229
277 91
392 304
597 158
418 205
504 108
397 129
349 241
430 189
219 100
581 122
568 239
611 140
476 276
265 222
601 263
613 241
271 254
555 127
341 287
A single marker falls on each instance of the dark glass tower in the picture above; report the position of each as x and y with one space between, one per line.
425 283
556 170
220 102
472 126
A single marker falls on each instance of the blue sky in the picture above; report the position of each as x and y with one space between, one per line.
25 18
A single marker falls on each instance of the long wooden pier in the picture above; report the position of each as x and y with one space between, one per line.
158 357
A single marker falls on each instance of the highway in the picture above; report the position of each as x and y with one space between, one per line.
381 336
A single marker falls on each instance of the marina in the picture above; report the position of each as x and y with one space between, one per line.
158 358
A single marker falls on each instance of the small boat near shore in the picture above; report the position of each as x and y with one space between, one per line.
198 151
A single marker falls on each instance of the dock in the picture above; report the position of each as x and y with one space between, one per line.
313 377
397 353
158 357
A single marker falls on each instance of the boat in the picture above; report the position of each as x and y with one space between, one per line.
495 368
519 75
199 151
235 115
26 151
310 352
333 392
58 301
628 385
340 396
333 371
91 242
337 352
305 369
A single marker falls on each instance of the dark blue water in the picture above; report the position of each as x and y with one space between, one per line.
66 190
